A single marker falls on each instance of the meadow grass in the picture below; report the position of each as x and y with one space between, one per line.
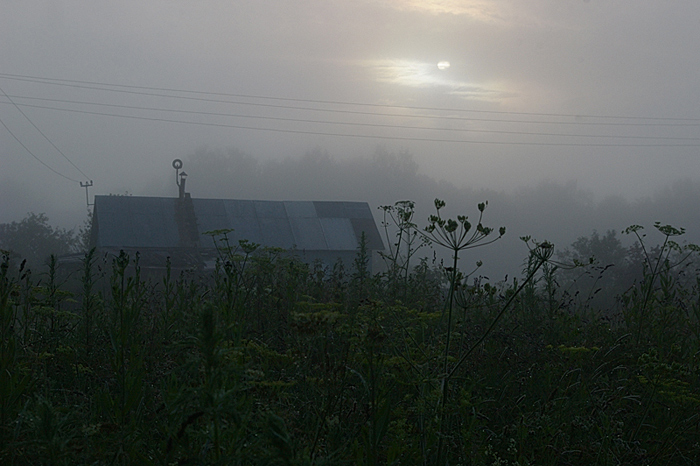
271 361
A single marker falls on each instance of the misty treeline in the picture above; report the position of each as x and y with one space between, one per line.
267 360
34 239
560 213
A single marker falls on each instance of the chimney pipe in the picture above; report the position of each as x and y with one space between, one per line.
181 184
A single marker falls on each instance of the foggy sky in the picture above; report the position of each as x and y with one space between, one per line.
594 79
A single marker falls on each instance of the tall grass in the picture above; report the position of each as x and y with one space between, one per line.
271 361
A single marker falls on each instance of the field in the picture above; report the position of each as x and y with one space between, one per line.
267 360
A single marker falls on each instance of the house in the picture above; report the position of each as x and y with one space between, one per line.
161 227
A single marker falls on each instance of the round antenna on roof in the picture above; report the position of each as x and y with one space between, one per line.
179 177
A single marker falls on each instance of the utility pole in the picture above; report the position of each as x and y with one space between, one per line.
86 185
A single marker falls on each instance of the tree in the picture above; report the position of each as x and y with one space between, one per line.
35 240
83 239
607 271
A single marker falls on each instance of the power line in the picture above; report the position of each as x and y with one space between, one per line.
139 90
326 122
123 87
33 155
42 133
366 136
434 117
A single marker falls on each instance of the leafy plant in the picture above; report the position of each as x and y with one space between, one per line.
657 267
267 360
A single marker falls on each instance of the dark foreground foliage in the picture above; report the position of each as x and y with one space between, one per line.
270 361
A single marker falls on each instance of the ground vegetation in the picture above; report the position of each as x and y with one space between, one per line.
268 360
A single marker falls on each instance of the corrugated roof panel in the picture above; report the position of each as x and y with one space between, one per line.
238 209
276 232
330 209
108 203
148 230
152 222
236 215
339 233
308 234
211 216
270 209
133 222
357 210
300 209
126 221
171 233
367 225
144 205
112 231
214 241
246 228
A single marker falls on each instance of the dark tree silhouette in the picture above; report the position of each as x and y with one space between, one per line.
35 240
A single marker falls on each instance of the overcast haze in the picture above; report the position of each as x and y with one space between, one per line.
601 94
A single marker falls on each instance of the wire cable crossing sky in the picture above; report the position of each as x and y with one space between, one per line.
487 94
687 141
42 135
115 88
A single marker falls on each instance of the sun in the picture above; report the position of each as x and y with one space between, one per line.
443 65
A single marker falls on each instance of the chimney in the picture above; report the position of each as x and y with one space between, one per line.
181 185
184 211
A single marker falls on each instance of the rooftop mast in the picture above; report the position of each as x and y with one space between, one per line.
180 178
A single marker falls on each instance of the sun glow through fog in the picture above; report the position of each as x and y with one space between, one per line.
480 10
407 73
429 76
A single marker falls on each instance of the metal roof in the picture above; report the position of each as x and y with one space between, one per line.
127 222
150 222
